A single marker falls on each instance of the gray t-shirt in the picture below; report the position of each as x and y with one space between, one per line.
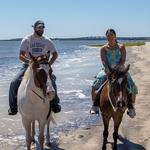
37 46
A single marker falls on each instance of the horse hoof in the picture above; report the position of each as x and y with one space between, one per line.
33 141
115 148
104 147
33 146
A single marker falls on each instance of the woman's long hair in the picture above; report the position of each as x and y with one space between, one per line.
112 31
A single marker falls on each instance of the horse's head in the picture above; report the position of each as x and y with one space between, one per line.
117 78
41 75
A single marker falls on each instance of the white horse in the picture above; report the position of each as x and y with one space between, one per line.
34 95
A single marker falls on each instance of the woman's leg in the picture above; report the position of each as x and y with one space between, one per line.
131 105
132 91
93 93
100 79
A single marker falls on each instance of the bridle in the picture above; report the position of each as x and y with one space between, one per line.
110 90
42 98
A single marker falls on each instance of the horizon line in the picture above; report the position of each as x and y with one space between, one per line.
86 38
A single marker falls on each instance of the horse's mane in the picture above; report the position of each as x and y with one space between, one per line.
120 70
27 74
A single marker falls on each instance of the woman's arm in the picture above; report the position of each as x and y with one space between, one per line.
104 58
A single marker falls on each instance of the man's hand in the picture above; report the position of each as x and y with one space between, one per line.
23 57
40 59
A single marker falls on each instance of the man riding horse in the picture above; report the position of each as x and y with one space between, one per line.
113 54
37 45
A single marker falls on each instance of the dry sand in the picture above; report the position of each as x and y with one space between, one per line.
134 133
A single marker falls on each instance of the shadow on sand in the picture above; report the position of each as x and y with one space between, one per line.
53 146
127 145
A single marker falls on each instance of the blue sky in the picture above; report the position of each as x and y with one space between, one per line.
75 18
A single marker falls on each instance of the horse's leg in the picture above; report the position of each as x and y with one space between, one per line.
117 121
27 126
33 131
41 134
48 134
105 132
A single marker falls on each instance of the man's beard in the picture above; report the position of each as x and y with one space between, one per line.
38 33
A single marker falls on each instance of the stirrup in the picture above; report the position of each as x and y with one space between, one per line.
94 110
131 112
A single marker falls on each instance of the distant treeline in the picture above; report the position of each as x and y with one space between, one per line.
90 38
103 38
130 43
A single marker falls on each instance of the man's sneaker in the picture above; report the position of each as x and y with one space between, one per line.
12 111
56 108
94 110
131 112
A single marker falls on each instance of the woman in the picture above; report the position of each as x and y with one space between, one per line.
113 54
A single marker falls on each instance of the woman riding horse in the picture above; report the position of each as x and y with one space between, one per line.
113 101
113 54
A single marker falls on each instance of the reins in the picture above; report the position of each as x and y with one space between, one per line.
42 98
39 96
113 107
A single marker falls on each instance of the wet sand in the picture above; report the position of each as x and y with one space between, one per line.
134 134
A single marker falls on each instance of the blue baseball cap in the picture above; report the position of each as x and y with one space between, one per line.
38 23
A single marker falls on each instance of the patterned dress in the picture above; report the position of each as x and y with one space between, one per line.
113 58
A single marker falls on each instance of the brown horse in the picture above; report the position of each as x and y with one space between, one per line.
113 101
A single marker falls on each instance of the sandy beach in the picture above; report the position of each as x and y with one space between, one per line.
134 133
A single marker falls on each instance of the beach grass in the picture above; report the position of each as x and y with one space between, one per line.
125 44
134 43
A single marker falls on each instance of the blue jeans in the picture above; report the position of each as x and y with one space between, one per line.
14 85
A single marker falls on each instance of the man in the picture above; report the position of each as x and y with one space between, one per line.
37 45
